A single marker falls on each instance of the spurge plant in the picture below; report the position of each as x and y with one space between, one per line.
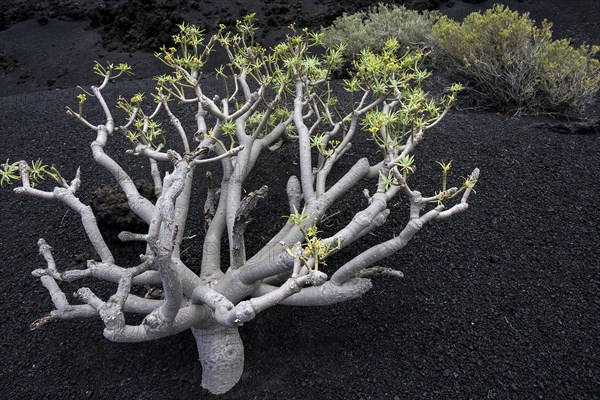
269 96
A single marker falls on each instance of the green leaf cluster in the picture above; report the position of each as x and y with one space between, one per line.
274 118
37 171
325 146
9 172
405 164
416 109
111 70
314 248
448 194
147 131
190 40
186 59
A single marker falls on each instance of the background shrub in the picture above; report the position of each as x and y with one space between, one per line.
371 29
509 63
569 77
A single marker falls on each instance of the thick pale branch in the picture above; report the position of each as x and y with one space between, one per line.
88 221
106 272
234 189
201 127
317 209
240 283
177 124
186 318
138 204
110 124
68 197
337 154
382 250
327 294
306 173
211 248
358 171
273 247
152 154
213 299
210 204
228 153
58 297
156 178
171 214
275 134
242 218
363 222
248 309
133 304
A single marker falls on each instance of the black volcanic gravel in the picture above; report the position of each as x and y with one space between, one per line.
500 302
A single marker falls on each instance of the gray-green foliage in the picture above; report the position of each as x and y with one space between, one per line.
508 62
371 29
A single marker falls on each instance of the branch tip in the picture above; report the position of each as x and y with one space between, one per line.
40 322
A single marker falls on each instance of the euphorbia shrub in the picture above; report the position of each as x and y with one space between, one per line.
268 96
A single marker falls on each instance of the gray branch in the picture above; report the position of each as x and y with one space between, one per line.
242 218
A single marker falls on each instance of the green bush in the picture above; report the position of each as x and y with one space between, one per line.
371 29
508 62
569 77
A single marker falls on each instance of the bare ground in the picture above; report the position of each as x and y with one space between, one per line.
498 303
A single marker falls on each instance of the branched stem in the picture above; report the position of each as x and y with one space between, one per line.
281 96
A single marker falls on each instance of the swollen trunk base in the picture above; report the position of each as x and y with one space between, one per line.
221 354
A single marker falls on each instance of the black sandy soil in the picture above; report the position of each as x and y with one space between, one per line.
500 302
